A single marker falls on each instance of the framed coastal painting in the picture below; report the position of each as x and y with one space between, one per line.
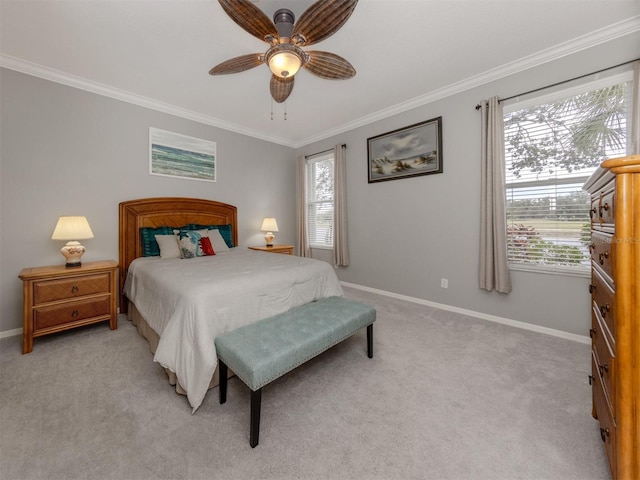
181 156
407 152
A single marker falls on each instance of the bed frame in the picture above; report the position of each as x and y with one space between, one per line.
165 211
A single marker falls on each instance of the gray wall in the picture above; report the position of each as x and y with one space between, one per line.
405 235
65 151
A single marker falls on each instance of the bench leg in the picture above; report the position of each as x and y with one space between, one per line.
222 370
256 399
370 341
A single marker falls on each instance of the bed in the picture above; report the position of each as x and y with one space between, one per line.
181 305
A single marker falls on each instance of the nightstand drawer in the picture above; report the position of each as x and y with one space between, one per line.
52 290
66 313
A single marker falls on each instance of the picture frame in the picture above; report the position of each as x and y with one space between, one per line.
180 156
406 152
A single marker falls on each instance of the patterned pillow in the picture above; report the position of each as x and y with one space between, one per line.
189 242
225 230
205 245
150 246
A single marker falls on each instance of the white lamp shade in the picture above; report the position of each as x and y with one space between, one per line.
72 228
285 64
269 225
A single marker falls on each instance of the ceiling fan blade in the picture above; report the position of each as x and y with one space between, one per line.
237 64
329 65
281 87
322 19
250 17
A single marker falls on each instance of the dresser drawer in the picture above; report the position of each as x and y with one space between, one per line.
604 357
603 296
66 288
71 312
602 251
604 207
605 418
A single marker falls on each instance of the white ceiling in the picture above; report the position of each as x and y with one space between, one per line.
406 52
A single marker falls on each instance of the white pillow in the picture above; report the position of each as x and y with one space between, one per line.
217 242
169 247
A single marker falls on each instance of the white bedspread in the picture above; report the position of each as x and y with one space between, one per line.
189 302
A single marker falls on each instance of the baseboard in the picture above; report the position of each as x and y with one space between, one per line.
484 316
442 306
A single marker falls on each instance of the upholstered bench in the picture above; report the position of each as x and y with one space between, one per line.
264 351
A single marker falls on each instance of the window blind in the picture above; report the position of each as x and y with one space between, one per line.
551 149
320 200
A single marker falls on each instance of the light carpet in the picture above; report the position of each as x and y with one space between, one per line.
446 396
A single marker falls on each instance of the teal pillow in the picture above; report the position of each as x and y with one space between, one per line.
150 247
225 231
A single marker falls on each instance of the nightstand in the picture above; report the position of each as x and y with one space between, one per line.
58 298
284 249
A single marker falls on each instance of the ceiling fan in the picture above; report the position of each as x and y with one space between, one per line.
286 38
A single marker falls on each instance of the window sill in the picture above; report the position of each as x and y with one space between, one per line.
569 272
320 247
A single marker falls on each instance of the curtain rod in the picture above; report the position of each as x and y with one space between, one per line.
562 82
344 145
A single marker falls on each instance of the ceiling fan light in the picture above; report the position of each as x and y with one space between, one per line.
285 64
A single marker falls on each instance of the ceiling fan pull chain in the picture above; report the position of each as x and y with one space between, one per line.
285 110
272 108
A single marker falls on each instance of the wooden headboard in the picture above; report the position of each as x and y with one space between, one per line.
165 211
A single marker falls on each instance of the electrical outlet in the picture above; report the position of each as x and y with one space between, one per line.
444 283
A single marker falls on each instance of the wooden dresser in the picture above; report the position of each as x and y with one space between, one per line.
615 313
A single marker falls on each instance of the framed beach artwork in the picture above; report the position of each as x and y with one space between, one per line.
407 152
175 155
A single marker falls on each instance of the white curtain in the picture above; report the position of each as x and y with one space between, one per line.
635 111
494 271
340 238
302 239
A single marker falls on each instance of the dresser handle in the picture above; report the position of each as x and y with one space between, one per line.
592 288
603 369
74 289
75 313
592 332
592 379
604 207
592 248
602 256
604 433
604 309
592 212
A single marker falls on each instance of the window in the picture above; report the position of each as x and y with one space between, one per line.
320 200
552 146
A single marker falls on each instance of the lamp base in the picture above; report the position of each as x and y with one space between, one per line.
73 251
269 237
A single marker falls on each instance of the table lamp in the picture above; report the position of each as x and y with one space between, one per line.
72 229
269 225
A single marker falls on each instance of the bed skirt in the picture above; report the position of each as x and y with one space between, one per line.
153 338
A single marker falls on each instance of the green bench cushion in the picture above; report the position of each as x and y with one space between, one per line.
262 352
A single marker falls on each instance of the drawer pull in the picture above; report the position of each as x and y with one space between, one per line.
592 247
604 309
592 288
592 379
604 207
74 289
602 256
592 212
604 433
603 369
592 332
75 313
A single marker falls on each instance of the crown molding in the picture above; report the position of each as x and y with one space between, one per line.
603 35
57 76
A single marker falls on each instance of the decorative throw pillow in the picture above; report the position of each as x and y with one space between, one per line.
189 242
225 230
205 245
168 246
219 245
